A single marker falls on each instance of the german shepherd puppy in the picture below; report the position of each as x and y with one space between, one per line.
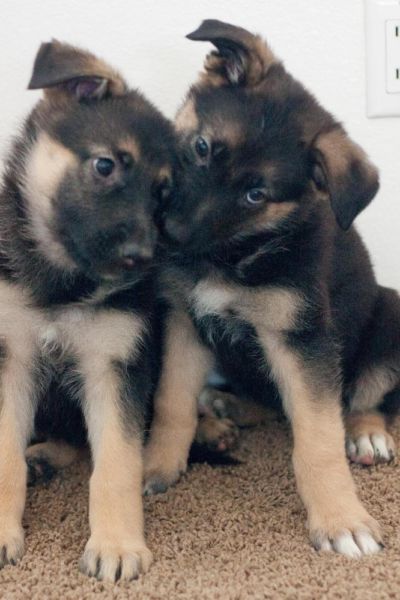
266 274
81 186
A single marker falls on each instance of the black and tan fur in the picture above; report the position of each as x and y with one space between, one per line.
266 273
77 322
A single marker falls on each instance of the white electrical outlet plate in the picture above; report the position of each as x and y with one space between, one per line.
393 56
382 24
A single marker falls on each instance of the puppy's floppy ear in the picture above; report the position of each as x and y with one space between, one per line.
343 169
241 58
63 69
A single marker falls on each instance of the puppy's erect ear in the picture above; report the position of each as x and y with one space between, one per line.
242 58
343 169
63 69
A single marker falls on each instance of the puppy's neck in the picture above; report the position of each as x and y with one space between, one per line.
272 257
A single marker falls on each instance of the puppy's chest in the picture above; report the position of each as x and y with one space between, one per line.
91 336
84 334
222 309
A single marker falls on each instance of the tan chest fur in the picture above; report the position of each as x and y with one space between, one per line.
268 309
91 335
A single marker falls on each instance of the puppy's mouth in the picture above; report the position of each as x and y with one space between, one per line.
115 271
124 262
127 264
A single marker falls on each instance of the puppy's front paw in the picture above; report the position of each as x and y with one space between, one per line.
11 546
39 470
161 470
158 480
111 560
356 537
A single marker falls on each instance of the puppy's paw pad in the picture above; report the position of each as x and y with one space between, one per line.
11 548
222 405
371 449
220 435
227 437
109 562
39 470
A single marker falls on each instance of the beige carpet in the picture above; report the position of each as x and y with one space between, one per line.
226 532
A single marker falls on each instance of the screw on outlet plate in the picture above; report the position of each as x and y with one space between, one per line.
382 22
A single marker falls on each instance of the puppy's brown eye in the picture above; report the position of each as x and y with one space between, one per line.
104 166
255 196
201 147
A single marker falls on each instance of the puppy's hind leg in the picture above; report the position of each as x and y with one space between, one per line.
368 441
46 458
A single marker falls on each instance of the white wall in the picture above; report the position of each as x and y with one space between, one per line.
321 41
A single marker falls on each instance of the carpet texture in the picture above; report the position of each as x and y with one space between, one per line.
230 533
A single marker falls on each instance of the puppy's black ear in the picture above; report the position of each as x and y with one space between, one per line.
343 169
61 69
241 58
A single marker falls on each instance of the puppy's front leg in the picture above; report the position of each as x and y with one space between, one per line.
16 420
336 518
186 363
116 548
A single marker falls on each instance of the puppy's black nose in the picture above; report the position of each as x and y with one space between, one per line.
132 254
176 231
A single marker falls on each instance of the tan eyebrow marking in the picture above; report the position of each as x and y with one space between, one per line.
186 119
130 145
